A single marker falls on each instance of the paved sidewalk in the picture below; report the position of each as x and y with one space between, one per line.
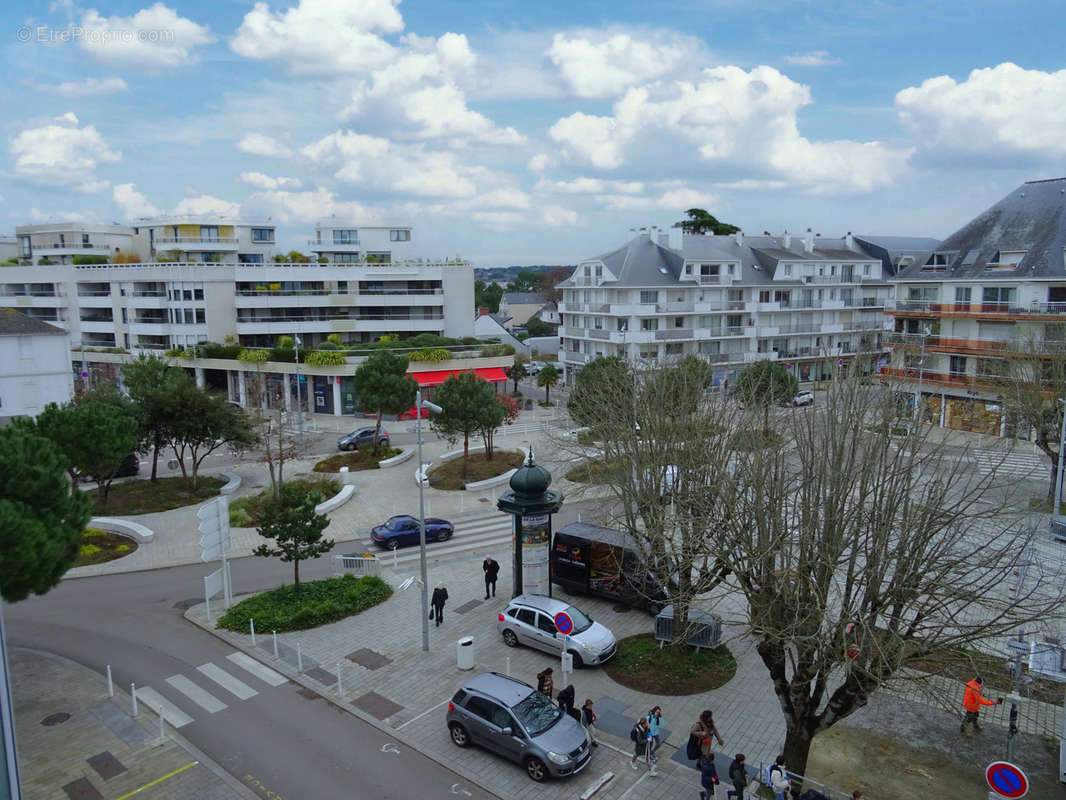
76 743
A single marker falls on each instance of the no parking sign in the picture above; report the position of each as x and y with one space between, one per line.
1006 779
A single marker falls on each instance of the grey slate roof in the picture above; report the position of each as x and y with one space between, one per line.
12 323
1031 218
642 262
523 298
890 249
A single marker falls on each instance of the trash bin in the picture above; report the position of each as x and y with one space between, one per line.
464 652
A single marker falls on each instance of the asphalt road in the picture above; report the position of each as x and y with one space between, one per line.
280 743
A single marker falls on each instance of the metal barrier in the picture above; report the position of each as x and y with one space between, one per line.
704 629
357 563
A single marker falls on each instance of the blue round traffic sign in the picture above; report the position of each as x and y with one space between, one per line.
1006 780
564 624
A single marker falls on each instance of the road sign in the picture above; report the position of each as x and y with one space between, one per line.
1006 780
564 624
214 525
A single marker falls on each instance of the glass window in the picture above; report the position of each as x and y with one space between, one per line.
201 316
649 297
649 324
198 294
250 258
189 317
483 708
208 233
187 294
536 713
963 294
262 234
345 258
997 294
546 623
528 616
400 236
346 237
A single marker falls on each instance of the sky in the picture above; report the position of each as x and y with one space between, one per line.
509 132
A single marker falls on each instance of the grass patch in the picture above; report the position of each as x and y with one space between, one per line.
98 547
895 430
314 603
247 512
355 460
962 665
449 475
756 440
1043 505
144 497
592 472
639 664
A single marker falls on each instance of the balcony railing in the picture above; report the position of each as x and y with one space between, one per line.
926 307
159 240
155 293
242 318
674 333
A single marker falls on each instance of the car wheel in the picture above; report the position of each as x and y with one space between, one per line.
578 661
444 536
393 544
459 735
509 638
536 770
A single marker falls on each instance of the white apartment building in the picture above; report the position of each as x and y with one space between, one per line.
810 302
348 243
204 239
34 366
63 242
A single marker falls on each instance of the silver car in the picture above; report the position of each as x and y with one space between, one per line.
530 619
514 720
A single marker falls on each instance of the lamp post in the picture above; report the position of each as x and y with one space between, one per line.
419 405
1056 519
299 403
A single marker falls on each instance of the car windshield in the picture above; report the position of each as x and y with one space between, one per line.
581 622
396 524
537 713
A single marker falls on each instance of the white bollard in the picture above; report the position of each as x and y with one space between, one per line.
340 690
251 622
162 723
395 556
275 644
508 666
110 685
133 694
299 658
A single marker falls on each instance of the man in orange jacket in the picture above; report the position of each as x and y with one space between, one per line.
972 702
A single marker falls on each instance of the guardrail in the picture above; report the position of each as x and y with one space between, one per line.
356 563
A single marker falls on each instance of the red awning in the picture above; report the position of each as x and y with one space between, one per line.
437 377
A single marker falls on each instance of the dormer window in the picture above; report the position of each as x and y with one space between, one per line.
939 261
1007 259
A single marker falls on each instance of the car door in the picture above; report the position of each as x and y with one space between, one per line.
492 720
546 634
479 716
526 626
410 532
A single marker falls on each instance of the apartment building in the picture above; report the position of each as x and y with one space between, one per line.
204 239
348 243
960 311
810 302
67 242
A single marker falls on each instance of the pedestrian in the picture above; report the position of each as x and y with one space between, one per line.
739 778
705 729
566 700
440 595
491 570
779 782
857 795
545 684
708 778
640 736
588 719
655 738
972 702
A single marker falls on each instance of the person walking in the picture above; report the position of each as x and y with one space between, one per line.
706 731
655 739
779 782
640 737
545 684
972 702
440 596
566 700
738 776
708 778
588 719
491 570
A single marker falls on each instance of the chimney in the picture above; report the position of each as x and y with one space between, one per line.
739 235
849 241
786 240
483 311
808 242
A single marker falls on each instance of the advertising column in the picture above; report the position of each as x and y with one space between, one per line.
535 542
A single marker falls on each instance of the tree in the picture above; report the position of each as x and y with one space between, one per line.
517 371
527 280
202 423
550 280
41 519
765 384
546 379
487 295
296 527
538 327
606 373
505 414
95 436
151 382
683 384
468 402
700 222
382 385
277 435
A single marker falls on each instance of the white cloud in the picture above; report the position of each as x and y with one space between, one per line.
261 181
93 186
36 215
607 67
585 185
259 144
308 206
60 153
558 216
752 184
732 117
812 58
132 203
540 162
154 37
85 88
320 36
206 204
441 111
997 112
670 199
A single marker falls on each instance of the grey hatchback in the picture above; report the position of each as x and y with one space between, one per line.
514 720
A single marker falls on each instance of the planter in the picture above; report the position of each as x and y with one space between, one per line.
405 454
488 483
335 502
134 530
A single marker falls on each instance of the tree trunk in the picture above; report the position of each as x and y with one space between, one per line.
466 452
296 573
547 393
766 420
155 457
797 749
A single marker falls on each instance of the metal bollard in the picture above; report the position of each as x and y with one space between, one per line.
508 666
340 689
133 694
110 685
275 644
162 723
251 622
299 658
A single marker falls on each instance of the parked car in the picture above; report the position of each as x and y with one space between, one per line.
514 720
364 437
530 619
804 398
130 466
403 530
533 367
605 563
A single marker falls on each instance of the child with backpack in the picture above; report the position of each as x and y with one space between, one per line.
640 736
775 777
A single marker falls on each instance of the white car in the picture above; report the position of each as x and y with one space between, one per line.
804 398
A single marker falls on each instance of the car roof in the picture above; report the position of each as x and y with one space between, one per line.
404 517
509 691
541 602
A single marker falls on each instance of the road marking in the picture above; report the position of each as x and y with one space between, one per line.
427 711
261 671
207 701
389 747
158 780
160 705
234 686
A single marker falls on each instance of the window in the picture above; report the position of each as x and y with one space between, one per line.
997 294
649 297
399 236
963 294
764 296
125 317
25 242
208 233
201 316
527 615
599 271
730 269
346 237
957 365
782 298
189 318
62 240
675 349
788 270
649 324
187 294
865 269
342 287
250 258
710 348
345 258
546 624
85 240
485 709
198 294
262 234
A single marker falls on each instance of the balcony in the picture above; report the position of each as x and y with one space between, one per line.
921 307
674 333
599 333
317 246
158 328
574 358
947 380
70 249
198 244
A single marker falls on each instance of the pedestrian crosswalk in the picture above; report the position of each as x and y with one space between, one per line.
477 533
181 698
1013 463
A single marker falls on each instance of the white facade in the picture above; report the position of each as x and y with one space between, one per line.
204 239
35 367
62 242
347 243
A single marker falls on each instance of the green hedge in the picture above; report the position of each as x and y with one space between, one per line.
315 603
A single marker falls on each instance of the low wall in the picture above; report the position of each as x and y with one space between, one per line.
335 502
134 530
232 485
405 454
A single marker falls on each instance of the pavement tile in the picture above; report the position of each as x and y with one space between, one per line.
374 703
106 765
368 658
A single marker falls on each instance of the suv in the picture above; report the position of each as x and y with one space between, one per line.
530 619
514 720
364 437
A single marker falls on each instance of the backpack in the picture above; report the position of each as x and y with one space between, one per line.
633 735
692 749
767 774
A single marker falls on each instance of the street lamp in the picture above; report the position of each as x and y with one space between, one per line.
419 405
299 403
1058 523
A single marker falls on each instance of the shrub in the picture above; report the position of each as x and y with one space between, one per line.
216 350
177 352
327 345
334 338
430 354
254 356
239 512
126 258
314 603
246 512
122 548
284 342
286 355
88 550
84 259
325 358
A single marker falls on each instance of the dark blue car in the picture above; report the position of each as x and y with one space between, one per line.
403 530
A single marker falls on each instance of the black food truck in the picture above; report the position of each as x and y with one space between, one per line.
606 563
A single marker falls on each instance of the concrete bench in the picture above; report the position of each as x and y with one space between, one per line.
134 530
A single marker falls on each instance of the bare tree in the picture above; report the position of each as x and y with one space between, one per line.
280 441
